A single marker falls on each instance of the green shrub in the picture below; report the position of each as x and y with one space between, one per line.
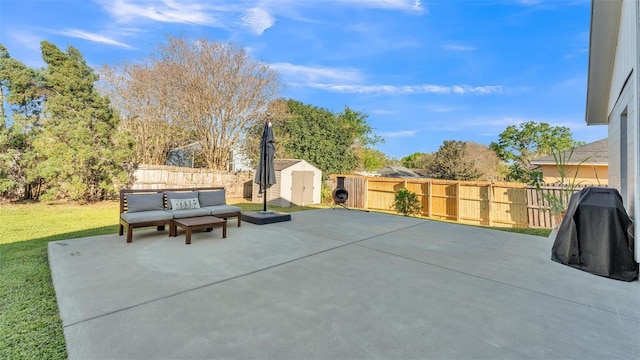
406 203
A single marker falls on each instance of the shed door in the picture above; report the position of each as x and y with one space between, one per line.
301 187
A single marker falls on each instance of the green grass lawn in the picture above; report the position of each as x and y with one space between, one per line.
30 326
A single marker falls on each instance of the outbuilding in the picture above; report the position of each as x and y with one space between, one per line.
297 183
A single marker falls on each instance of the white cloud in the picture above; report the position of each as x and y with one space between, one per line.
163 11
257 20
397 134
93 37
26 39
316 73
403 5
455 47
409 89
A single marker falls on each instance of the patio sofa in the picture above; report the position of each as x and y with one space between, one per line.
158 207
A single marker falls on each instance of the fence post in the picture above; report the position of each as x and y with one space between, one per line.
429 198
458 201
490 202
366 193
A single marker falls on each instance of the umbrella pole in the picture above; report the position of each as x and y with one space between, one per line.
264 175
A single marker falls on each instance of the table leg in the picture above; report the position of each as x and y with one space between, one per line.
187 239
224 229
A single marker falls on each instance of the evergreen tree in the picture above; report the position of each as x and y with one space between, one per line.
80 143
21 91
332 142
451 162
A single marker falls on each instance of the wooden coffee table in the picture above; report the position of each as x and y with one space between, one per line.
197 223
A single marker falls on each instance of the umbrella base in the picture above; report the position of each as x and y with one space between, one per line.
265 217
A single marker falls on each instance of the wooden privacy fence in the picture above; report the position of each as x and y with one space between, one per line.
471 202
479 203
237 185
538 200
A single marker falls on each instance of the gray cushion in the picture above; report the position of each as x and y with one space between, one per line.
211 198
180 195
144 202
181 214
145 216
222 209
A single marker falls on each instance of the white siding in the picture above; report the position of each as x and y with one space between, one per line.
285 186
622 127
624 130
625 57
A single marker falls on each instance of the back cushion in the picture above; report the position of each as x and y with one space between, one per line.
144 202
180 195
212 198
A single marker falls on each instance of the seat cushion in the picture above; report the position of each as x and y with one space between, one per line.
212 198
144 202
180 195
181 214
146 216
222 209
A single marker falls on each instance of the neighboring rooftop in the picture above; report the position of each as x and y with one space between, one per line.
594 153
397 171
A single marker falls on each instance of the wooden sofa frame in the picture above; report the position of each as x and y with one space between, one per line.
160 224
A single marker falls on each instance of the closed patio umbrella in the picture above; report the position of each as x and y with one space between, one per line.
265 174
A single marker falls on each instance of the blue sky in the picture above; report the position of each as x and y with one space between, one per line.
423 71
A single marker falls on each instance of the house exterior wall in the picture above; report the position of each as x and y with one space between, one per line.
587 174
625 58
623 130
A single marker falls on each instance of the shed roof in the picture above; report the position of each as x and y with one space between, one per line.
595 153
281 164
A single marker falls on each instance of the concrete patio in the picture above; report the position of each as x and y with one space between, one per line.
337 284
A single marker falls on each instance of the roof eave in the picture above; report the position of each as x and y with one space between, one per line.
605 21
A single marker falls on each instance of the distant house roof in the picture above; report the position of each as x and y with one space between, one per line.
397 171
594 153
421 172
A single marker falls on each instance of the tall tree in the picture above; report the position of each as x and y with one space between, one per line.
22 91
452 162
519 144
82 149
372 159
417 160
333 142
485 159
141 94
193 91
